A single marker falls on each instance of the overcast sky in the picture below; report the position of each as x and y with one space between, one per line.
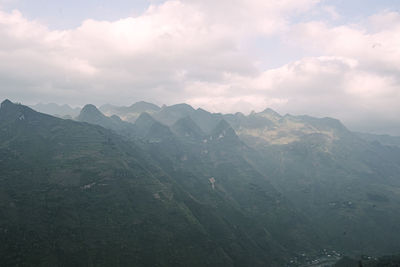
337 58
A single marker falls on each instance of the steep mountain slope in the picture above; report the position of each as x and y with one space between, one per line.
211 167
77 194
186 128
167 115
250 190
171 114
91 114
152 130
345 185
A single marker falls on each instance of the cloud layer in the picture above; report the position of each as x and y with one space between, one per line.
201 52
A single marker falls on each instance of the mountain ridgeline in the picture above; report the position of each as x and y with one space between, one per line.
176 186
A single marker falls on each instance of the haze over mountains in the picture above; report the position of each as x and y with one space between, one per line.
176 186
57 110
132 112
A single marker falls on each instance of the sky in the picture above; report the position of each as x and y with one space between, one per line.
335 58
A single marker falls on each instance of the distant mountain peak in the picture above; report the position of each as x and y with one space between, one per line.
171 114
181 107
10 111
149 128
186 127
271 112
144 116
6 103
91 114
116 118
90 108
240 114
222 125
8 107
144 121
224 130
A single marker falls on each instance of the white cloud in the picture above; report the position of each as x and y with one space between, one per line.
373 85
151 56
195 51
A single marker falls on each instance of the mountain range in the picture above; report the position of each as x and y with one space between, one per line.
176 186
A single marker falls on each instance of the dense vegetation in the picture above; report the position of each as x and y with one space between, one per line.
182 187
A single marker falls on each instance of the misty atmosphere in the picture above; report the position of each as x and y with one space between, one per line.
200 133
